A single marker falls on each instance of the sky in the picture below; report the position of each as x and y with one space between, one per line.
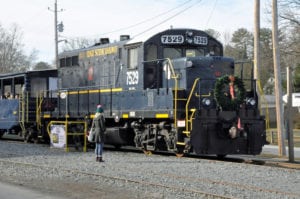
94 19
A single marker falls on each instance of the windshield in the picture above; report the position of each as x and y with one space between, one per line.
172 53
179 52
194 52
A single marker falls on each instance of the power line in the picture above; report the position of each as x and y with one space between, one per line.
167 19
211 13
147 20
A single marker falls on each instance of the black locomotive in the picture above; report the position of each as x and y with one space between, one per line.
172 92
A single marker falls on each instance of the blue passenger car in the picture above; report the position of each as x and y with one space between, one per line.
20 94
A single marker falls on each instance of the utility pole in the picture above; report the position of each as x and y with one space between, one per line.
256 39
278 88
289 123
56 31
56 34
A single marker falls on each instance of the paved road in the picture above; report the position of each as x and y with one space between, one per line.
8 191
273 150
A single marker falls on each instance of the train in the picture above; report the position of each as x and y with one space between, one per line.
174 91
20 101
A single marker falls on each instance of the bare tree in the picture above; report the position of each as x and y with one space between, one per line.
290 11
290 48
226 38
76 43
12 57
289 26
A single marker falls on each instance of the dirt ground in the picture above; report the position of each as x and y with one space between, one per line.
72 190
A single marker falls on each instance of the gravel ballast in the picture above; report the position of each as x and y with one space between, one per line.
135 175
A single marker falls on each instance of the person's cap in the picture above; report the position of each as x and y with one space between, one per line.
99 109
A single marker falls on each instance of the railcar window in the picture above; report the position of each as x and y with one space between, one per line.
151 53
75 61
62 62
172 53
132 58
38 84
7 90
18 89
69 61
120 53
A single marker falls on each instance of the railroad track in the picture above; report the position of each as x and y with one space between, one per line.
134 176
235 159
231 158
170 177
126 180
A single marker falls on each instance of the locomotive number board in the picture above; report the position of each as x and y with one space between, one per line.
172 39
179 39
200 40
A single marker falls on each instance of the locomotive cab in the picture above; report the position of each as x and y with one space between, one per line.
214 113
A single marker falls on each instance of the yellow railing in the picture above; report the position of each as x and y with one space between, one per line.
176 99
23 110
39 101
66 123
189 119
175 77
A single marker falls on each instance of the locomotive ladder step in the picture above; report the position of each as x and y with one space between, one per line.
186 133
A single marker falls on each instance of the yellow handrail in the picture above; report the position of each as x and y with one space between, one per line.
39 101
65 123
175 77
22 113
27 107
187 120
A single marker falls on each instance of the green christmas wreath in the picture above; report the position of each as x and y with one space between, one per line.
229 92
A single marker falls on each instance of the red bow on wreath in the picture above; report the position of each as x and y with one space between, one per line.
231 86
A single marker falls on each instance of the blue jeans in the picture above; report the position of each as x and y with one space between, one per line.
99 149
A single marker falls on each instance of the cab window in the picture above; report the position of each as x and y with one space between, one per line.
151 52
132 58
172 53
194 52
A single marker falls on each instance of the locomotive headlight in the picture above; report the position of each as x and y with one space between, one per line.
251 102
206 101
63 95
117 118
